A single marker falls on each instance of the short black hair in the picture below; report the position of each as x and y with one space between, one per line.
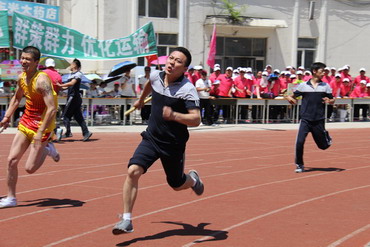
317 65
34 51
186 52
77 62
147 68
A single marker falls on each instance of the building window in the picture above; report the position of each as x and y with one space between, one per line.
241 52
166 43
158 8
306 52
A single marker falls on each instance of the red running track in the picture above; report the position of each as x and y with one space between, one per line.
252 195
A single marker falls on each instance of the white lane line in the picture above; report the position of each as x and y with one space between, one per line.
351 235
277 211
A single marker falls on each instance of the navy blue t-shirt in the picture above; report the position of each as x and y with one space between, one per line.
180 96
74 91
313 108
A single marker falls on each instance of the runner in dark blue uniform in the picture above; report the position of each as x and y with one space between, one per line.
175 106
315 93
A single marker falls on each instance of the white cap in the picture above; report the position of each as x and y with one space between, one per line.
327 68
288 67
346 79
299 72
293 76
265 73
338 75
363 81
308 72
333 68
368 84
277 71
216 82
301 68
49 62
268 65
249 69
243 69
216 65
345 67
217 68
198 67
235 71
230 68
362 69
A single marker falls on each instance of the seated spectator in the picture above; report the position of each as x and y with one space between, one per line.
93 91
102 89
360 92
116 92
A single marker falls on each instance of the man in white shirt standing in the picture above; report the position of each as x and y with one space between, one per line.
127 91
203 87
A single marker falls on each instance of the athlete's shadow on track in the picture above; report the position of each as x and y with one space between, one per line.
328 169
76 140
53 203
186 230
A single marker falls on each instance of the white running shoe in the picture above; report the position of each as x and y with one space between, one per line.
52 152
8 202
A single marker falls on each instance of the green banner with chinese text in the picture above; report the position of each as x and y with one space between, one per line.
4 29
57 40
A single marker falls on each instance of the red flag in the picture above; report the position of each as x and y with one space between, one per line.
212 48
151 58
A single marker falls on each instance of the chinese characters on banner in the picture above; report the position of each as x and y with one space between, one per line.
57 40
4 29
37 10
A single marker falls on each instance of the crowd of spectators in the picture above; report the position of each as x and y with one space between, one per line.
269 84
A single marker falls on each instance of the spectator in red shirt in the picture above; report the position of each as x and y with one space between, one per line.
190 75
360 77
326 78
307 75
226 85
333 71
216 73
336 86
54 75
360 92
346 88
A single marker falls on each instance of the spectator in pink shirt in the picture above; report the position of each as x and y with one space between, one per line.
307 75
54 75
56 80
242 90
326 78
367 90
346 88
216 73
360 77
190 74
226 85
360 92
333 71
336 86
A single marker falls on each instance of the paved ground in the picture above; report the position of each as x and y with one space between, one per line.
222 127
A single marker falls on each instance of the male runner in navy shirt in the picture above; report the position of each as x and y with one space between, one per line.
315 93
175 106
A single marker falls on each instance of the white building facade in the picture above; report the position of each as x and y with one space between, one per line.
276 32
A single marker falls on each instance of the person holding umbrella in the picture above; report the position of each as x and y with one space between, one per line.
175 106
74 101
